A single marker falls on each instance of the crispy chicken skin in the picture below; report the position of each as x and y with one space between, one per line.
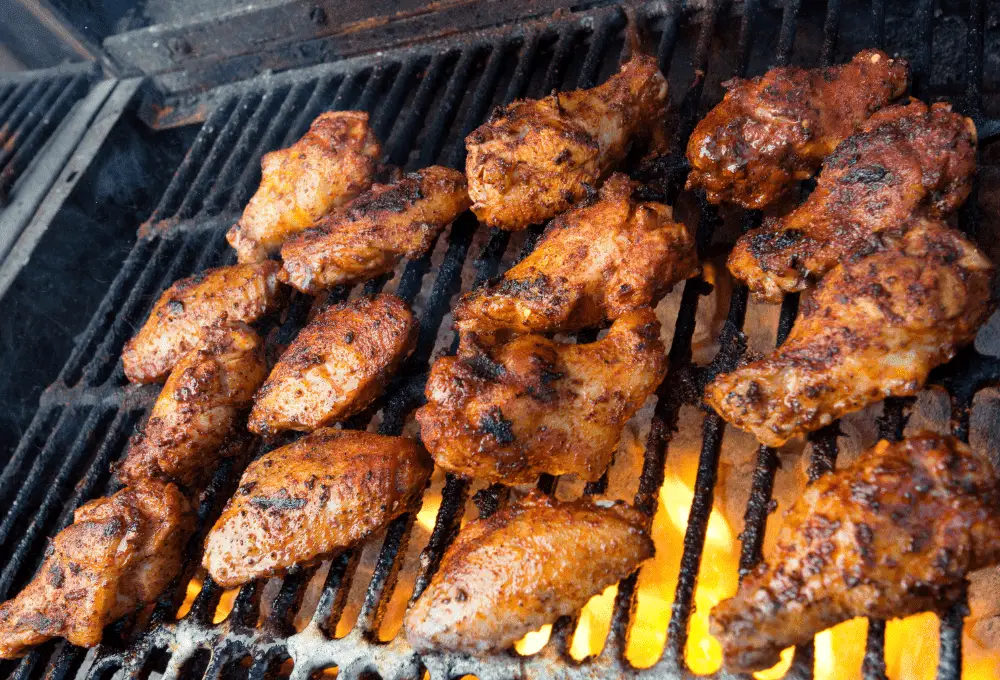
313 498
893 534
178 322
874 327
117 556
334 162
771 131
382 226
533 405
336 366
528 564
535 158
902 160
198 408
595 263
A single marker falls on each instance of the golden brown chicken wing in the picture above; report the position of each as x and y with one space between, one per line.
178 322
535 158
528 564
893 534
378 229
334 162
874 328
903 160
311 499
118 555
776 129
336 366
197 408
596 262
510 413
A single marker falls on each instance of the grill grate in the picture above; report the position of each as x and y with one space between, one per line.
423 102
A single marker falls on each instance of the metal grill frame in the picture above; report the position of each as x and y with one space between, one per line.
43 115
86 416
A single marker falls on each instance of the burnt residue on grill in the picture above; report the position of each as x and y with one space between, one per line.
423 101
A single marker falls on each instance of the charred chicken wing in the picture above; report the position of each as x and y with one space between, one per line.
528 564
334 162
893 534
313 498
902 160
512 412
595 263
118 555
197 408
771 131
336 366
535 158
180 318
874 328
378 229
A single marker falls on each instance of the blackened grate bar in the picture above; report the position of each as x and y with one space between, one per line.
423 101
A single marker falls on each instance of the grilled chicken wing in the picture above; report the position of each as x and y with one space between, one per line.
379 228
334 162
874 328
893 534
596 262
510 413
181 316
118 555
535 158
313 498
902 160
774 130
197 408
528 564
336 366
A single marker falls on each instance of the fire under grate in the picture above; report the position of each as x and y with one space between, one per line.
424 100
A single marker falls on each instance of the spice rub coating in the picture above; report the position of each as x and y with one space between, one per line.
893 534
511 412
774 130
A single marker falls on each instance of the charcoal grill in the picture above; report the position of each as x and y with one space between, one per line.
424 98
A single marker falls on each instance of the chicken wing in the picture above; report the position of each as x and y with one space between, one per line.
893 534
197 408
313 498
119 554
510 413
535 158
902 160
181 316
336 366
334 162
596 262
528 564
874 327
771 131
378 229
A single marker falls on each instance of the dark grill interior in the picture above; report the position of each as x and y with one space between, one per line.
424 100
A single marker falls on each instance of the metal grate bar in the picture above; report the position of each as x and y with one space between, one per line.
166 252
18 157
447 109
388 107
170 201
402 137
480 102
309 111
12 119
921 67
250 176
245 156
223 144
53 501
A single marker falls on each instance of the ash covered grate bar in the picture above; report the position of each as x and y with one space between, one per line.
423 103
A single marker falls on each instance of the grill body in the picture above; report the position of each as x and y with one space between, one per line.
424 100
